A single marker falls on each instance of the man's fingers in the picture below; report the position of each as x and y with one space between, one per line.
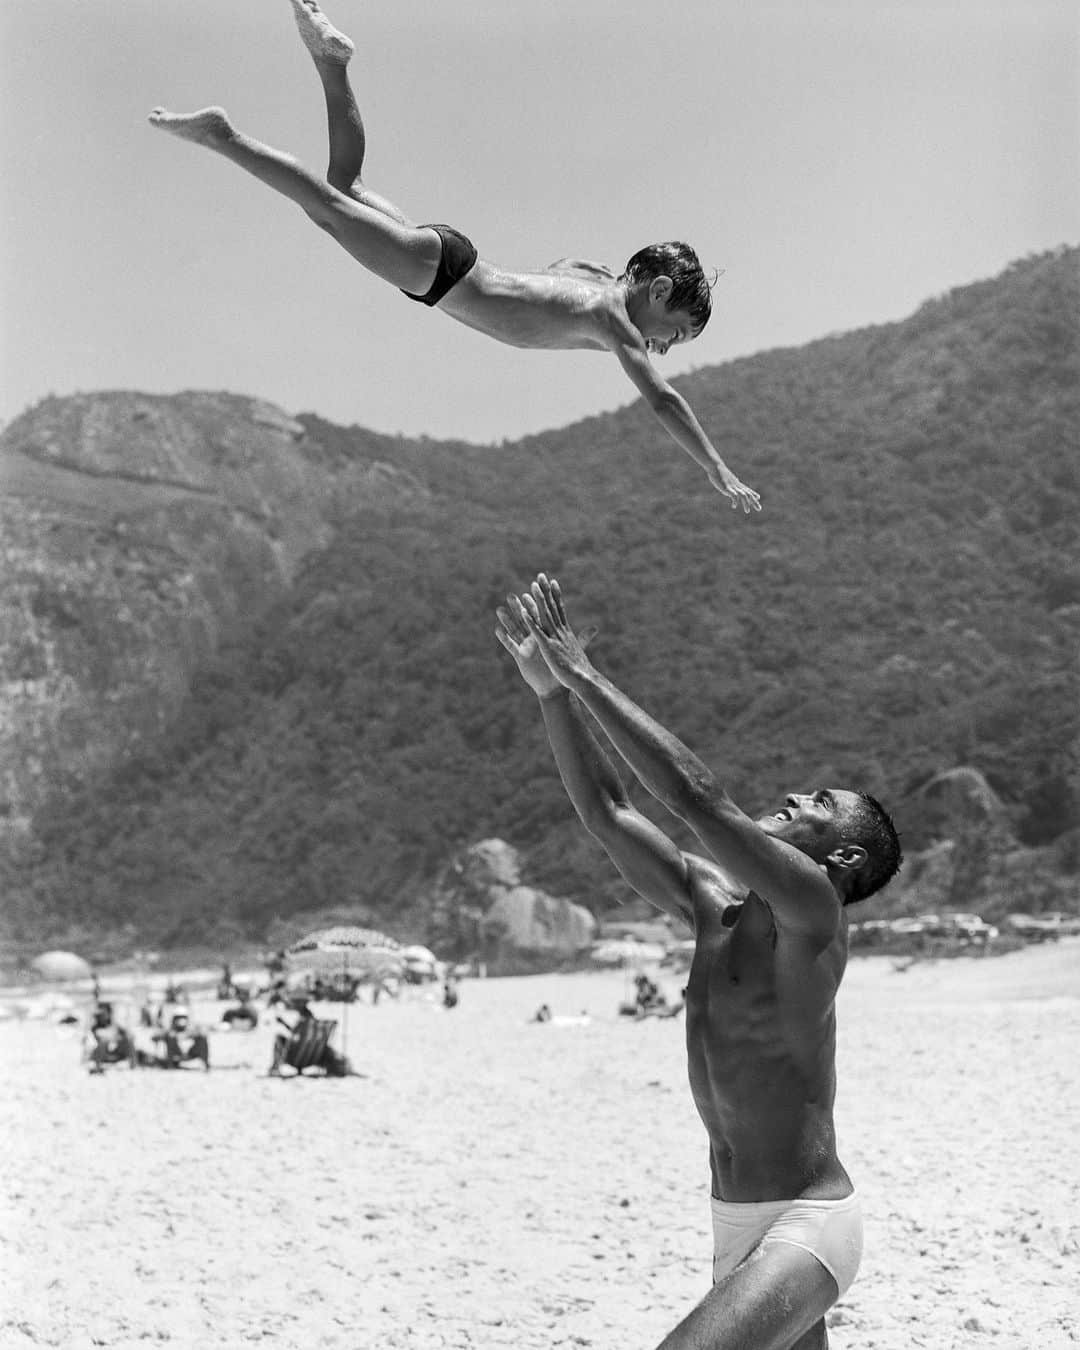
560 608
510 622
517 608
530 612
550 603
537 603
507 641
588 634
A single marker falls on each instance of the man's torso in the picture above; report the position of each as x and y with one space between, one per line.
761 1039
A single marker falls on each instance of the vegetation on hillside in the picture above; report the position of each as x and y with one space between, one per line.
909 599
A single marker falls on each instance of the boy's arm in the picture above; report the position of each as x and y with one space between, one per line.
797 888
675 415
648 860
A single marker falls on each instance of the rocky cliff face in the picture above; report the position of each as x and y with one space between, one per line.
135 530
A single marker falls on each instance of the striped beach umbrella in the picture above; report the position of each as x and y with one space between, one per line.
363 954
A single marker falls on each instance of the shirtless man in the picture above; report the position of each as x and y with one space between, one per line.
661 298
768 911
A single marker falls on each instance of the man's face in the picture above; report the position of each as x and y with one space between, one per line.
813 822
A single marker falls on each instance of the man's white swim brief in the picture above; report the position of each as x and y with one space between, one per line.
830 1230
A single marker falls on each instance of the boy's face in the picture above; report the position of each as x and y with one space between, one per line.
661 327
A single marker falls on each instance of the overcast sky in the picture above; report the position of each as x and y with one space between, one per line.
841 162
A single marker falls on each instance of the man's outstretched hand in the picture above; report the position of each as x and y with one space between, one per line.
523 647
543 613
515 635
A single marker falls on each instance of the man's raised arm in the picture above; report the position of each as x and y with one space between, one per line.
674 775
648 860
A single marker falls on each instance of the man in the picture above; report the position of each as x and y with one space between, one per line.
768 912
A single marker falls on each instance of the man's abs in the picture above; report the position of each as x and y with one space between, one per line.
761 1053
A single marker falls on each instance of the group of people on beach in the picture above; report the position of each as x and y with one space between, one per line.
767 899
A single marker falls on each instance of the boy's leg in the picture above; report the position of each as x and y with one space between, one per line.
331 52
403 255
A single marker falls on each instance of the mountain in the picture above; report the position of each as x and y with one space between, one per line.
248 659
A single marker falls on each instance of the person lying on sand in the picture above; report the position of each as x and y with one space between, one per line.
768 907
661 298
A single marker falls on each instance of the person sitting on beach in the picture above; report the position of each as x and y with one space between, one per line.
768 908
298 1011
107 1042
661 297
647 993
180 1041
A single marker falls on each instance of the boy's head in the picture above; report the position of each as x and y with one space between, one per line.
670 276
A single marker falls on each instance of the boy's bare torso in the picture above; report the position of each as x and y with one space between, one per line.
571 304
761 1039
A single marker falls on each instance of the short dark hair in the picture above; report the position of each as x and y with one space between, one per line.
869 824
690 289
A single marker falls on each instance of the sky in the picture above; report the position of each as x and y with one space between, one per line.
840 162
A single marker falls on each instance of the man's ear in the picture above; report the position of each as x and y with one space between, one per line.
660 289
848 857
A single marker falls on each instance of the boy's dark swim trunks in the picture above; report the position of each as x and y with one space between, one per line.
458 256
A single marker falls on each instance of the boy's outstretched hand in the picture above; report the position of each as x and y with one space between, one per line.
739 494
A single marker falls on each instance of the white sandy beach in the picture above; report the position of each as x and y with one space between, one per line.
491 1182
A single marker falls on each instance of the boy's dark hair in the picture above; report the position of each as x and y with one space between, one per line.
869 824
690 290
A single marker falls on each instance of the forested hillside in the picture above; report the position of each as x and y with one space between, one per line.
908 599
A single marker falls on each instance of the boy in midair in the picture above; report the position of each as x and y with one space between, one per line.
661 298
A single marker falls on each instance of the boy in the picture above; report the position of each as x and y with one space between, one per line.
660 299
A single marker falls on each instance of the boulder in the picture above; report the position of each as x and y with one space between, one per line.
479 911
527 930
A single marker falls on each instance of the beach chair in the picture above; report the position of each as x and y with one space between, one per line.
308 1044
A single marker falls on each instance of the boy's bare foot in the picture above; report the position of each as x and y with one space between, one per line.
208 126
319 35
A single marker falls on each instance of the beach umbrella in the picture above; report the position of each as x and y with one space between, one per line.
60 966
420 961
419 956
363 954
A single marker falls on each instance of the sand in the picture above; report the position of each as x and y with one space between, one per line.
491 1182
